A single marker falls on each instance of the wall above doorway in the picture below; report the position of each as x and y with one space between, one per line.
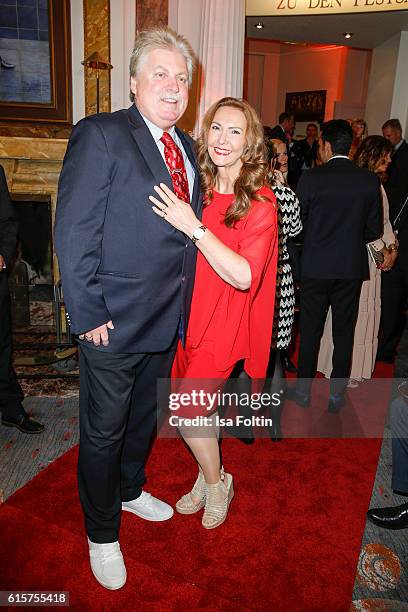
369 29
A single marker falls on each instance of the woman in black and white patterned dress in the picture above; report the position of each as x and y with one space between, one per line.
289 226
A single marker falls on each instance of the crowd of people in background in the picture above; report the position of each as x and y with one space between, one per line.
385 291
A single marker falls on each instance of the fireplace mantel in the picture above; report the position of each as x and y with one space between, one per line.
32 167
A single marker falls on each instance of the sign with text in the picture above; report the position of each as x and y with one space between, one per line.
321 7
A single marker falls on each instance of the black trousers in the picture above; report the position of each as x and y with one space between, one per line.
394 294
11 393
118 413
399 429
316 296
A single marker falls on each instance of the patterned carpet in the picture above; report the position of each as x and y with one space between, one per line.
43 368
23 456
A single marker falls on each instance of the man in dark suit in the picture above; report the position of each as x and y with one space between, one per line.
127 279
394 284
304 153
285 126
11 394
341 210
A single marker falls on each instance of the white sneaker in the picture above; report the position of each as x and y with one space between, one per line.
148 507
107 564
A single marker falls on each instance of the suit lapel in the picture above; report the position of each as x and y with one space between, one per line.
148 148
151 154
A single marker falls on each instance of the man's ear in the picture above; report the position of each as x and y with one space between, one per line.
328 149
133 85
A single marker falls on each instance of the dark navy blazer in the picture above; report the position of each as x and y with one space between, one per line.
118 259
341 211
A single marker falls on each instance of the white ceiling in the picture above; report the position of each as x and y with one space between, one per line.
369 29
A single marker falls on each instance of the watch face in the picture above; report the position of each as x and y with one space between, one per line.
198 233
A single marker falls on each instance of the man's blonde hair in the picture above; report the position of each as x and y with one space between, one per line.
160 38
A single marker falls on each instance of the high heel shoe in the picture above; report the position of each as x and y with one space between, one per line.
287 363
217 501
275 429
185 504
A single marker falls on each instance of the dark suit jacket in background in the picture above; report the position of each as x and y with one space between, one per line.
396 188
118 259
305 153
278 132
8 222
300 152
341 211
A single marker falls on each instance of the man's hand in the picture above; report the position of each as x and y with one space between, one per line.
2 263
99 334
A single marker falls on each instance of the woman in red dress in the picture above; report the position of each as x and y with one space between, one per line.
233 299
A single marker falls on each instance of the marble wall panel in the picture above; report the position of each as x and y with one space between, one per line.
150 13
97 38
32 148
35 131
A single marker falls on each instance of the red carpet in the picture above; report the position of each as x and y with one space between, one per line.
291 541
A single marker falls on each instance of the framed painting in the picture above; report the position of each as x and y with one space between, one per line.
35 61
306 105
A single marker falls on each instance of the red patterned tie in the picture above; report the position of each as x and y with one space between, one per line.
176 167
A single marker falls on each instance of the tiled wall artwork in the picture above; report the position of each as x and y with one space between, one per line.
24 51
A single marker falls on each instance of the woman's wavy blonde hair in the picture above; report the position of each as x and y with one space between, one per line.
254 170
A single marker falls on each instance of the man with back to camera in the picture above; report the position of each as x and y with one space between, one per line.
394 284
341 212
127 279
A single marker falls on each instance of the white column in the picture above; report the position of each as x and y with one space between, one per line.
387 95
216 31
399 105
122 33
77 55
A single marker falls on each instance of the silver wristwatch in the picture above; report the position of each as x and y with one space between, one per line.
198 233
